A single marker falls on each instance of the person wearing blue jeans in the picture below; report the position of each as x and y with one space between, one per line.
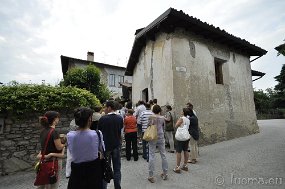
141 107
140 133
145 149
159 121
115 157
144 119
111 126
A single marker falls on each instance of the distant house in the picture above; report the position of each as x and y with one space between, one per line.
178 58
113 76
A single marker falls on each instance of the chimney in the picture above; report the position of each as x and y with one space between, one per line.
90 56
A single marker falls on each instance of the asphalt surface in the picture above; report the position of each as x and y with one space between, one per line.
255 162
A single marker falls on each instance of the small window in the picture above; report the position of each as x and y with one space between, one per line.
112 80
219 71
121 78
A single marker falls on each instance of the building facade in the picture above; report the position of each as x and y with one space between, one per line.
178 59
111 75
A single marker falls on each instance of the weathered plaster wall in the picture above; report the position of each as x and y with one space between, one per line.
179 67
226 110
142 73
154 71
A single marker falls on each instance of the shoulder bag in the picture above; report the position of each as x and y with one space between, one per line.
107 171
182 133
47 171
150 133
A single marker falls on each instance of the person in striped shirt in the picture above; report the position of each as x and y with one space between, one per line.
144 117
140 108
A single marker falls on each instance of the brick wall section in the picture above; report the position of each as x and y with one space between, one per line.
19 142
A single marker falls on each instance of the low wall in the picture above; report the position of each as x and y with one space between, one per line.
19 140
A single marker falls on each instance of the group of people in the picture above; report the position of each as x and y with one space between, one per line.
97 135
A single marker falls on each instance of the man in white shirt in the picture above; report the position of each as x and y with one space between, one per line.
137 114
144 118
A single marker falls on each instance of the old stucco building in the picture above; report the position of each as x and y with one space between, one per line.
112 76
178 58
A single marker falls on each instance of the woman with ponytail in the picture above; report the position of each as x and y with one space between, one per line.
55 147
86 150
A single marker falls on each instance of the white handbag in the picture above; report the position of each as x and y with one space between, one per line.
182 134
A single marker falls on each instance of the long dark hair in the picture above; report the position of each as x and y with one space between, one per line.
169 107
82 115
156 109
48 118
186 112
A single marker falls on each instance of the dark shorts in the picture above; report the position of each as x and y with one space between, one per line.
182 146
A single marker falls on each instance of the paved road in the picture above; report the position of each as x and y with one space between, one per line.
255 161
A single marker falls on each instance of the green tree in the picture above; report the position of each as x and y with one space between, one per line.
87 78
281 49
22 98
262 101
279 97
280 87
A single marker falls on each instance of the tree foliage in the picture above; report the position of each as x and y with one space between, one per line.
281 49
279 98
272 99
280 87
261 100
87 78
22 98
267 104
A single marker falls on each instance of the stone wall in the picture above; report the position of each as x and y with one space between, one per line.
19 140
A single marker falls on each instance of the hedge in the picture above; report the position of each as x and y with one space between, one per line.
23 98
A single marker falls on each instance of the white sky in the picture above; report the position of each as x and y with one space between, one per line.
34 33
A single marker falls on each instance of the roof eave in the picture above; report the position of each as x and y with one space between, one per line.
257 73
65 63
246 47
